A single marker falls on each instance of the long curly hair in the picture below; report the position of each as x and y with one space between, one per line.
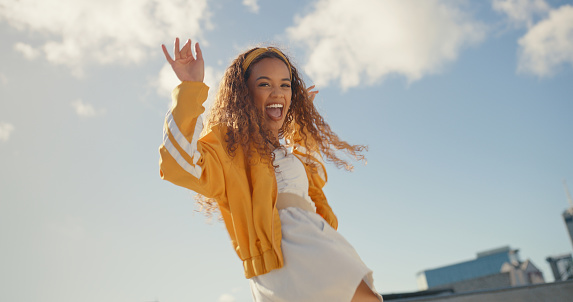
303 124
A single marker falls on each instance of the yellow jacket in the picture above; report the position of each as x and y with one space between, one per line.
246 194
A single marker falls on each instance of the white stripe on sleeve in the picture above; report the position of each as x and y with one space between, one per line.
193 170
189 148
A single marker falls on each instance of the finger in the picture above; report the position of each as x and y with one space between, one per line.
189 52
176 52
198 52
166 53
186 49
312 94
310 88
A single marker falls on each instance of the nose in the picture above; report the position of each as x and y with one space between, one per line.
277 93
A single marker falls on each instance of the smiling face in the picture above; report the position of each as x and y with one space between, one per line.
270 88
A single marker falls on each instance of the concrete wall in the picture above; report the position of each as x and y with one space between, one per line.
552 292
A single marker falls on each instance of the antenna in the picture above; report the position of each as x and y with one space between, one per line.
567 193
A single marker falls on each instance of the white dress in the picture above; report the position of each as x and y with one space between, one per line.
319 264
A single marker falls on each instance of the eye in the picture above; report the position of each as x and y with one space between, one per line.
263 84
286 85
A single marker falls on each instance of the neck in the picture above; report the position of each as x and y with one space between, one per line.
275 135
274 142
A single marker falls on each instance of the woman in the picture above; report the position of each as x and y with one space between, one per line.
271 199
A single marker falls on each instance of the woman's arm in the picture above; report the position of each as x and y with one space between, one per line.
185 161
317 172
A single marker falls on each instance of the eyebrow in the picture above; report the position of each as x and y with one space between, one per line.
267 78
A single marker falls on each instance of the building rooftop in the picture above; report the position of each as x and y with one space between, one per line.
487 263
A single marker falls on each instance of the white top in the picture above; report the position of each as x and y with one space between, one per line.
291 175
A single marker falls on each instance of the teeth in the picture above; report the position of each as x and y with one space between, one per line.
275 106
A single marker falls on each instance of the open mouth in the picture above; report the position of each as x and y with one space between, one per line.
274 111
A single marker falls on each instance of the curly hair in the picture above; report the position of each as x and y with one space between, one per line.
303 124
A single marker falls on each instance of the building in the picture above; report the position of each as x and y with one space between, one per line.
486 263
561 267
495 268
522 273
553 292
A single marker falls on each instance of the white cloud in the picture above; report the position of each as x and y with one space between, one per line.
226 298
84 109
252 5
548 44
27 50
6 130
80 32
521 12
166 81
359 42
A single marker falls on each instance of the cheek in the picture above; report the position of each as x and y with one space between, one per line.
258 100
289 99
255 96
289 105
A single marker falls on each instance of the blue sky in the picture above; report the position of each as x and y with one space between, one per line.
466 107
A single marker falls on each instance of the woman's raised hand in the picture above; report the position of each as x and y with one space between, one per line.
311 93
186 67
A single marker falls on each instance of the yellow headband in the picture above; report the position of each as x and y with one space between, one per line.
259 51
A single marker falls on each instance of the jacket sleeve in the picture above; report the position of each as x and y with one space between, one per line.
185 159
317 179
